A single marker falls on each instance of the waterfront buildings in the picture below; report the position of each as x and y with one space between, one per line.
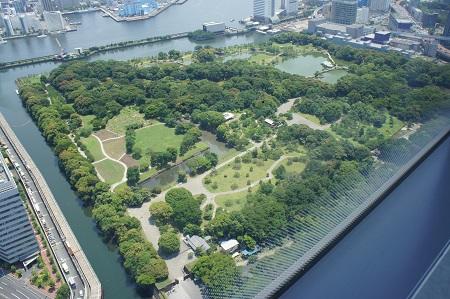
17 240
214 27
263 10
8 26
55 5
55 21
344 11
379 5
132 8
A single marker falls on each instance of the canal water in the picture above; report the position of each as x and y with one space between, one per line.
387 253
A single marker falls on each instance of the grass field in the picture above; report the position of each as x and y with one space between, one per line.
127 116
115 148
157 138
232 202
293 167
93 146
55 96
198 147
386 129
86 121
226 177
262 58
109 170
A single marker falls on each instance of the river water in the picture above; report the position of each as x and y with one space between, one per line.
387 253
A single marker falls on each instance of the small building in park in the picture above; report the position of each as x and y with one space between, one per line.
229 246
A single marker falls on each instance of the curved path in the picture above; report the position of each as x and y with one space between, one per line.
125 167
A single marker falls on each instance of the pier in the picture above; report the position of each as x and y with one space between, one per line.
66 249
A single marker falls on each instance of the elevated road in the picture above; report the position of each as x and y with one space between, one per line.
70 257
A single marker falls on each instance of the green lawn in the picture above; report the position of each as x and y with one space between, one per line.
93 146
386 129
127 116
145 175
55 96
157 138
232 202
86 120
111 171
225 177
292 167
262 58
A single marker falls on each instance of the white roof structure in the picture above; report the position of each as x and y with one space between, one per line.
269 121
228 115
229 244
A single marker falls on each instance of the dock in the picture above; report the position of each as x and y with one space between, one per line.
67 249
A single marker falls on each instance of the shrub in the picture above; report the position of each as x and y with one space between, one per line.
169 243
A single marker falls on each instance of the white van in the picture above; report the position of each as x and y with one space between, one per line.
71 282
65 268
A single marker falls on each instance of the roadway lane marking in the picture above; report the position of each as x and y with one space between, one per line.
1 288
4 296
22 294
3 283
15 295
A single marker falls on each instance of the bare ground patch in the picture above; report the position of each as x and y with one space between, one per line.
129 161
115 148
105 134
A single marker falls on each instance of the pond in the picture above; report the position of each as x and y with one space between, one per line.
307 65
170 176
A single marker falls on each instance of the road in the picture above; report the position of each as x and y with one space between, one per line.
54 238
13 288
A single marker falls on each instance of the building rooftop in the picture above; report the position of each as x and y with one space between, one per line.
229 244
197 242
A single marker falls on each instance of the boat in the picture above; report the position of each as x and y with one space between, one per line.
232 20
42 36
75 23
17 91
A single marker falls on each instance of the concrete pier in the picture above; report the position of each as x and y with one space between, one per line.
72 254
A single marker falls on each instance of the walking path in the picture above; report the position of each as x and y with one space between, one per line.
297 118
124 176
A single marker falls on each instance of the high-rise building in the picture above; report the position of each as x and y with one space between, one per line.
50 5
17 240
344 11
263 10
379 5
54 21
362 15
8 26
24 24
290 6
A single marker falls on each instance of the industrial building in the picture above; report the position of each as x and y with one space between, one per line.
17 240
214 27
263 10
344 11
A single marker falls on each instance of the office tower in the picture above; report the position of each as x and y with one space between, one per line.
17 240
379 5
362 15
344 11
23 24
290 6
263 10
54 21
50 5
8 26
